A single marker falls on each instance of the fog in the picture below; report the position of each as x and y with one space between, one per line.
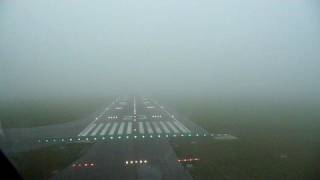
247 48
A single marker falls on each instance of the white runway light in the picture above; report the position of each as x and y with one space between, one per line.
135 162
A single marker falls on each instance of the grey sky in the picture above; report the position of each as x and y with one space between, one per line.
217 47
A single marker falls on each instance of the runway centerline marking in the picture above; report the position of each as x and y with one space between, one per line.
134 106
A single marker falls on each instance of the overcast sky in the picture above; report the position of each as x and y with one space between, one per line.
209 47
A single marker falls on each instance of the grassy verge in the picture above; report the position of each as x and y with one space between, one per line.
43 163
276 140
32 113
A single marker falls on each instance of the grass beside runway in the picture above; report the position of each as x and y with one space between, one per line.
277 140
45 162
32 113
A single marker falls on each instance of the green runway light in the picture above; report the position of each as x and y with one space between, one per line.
150 136
119 137
182 135
127 137
142 136
167 135
159 136
111 137
135 137
103 138
87 139
197 135
79 139
62 140
189 135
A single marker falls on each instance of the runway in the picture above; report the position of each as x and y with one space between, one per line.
118 120
130 159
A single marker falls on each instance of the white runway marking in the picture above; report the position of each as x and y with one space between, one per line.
84 130
181 127
134 106
157 128
121 128
175 130
127 118
113 128
141 129
88 129
105 129
164 127
97 129
129 128
149 128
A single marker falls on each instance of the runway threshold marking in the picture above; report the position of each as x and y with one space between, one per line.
105 129
157 128
181 127
121 128
164 127
89 127
141 129
113 129
87 130
129 128
97 129
149 128
175 130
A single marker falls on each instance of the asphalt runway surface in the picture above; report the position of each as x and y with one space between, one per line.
142 158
